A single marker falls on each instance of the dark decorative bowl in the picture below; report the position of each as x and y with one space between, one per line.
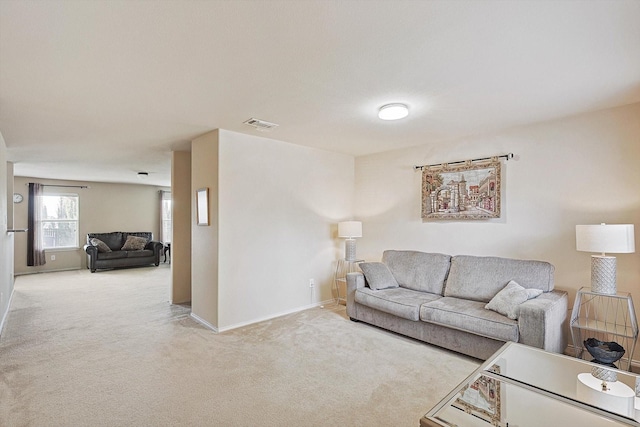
604 352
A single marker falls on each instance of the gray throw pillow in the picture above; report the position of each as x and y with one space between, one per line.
102 246
507 301
378 275
134 243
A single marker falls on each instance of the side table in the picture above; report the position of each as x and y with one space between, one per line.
606 318
343 267
167 248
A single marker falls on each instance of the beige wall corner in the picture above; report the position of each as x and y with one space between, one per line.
272 208
6 239
204 238
279 204
181 219
9 197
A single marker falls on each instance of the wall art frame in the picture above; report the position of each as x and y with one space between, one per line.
465 191
202 206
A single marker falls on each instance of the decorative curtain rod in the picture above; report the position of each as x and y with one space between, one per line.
67 186
503 156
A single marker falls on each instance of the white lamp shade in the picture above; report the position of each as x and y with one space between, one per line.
612 238
618 398
350 229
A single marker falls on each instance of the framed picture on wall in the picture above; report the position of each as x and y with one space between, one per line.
466 191
202 206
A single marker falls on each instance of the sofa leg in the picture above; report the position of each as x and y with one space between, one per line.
353 320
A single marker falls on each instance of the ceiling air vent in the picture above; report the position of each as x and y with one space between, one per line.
260 124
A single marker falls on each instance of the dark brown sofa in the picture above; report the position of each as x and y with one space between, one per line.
99 257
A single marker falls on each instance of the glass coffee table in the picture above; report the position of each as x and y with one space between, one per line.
525 386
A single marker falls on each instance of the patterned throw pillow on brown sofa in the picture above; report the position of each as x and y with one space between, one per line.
134 243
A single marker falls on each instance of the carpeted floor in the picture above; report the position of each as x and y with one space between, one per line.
107 349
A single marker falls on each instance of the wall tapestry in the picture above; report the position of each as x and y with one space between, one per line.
463 191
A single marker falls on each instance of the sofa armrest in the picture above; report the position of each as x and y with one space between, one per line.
157 248
354 282
154 245
541 321
92 255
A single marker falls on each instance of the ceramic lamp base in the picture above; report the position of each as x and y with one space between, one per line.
603 274
605 374
350 249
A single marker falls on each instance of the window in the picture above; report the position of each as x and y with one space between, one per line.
166 216
60 221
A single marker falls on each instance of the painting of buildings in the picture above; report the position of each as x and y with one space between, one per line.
465 191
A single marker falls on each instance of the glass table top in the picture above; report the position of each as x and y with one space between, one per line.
526 386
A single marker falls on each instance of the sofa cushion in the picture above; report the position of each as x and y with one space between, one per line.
507 301
111 255
378 275
470 316
419 271
401 302
481 278
134 243
102 246
140 254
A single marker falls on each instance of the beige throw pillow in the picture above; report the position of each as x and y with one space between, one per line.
134 243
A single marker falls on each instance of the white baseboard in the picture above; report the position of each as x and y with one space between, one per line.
260 319
6 313
25 273
273 316
203 322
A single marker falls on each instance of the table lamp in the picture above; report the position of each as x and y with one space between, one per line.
612 238
615 397
349 230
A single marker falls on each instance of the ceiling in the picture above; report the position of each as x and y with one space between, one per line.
99 90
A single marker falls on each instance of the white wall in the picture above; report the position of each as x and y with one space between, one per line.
6 239
578 170
279 204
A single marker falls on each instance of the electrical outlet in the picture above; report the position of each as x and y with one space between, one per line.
312 283
53 257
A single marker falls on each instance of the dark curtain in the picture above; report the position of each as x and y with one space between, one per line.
35 250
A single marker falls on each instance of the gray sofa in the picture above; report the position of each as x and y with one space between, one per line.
440 299
107 251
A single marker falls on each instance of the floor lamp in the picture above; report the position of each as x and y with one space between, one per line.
612 238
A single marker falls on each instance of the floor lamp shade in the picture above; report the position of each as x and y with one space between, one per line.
612 238
349 230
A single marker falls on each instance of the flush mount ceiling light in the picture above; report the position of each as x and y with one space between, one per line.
143 175
393 112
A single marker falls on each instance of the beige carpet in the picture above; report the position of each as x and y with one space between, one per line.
107 349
